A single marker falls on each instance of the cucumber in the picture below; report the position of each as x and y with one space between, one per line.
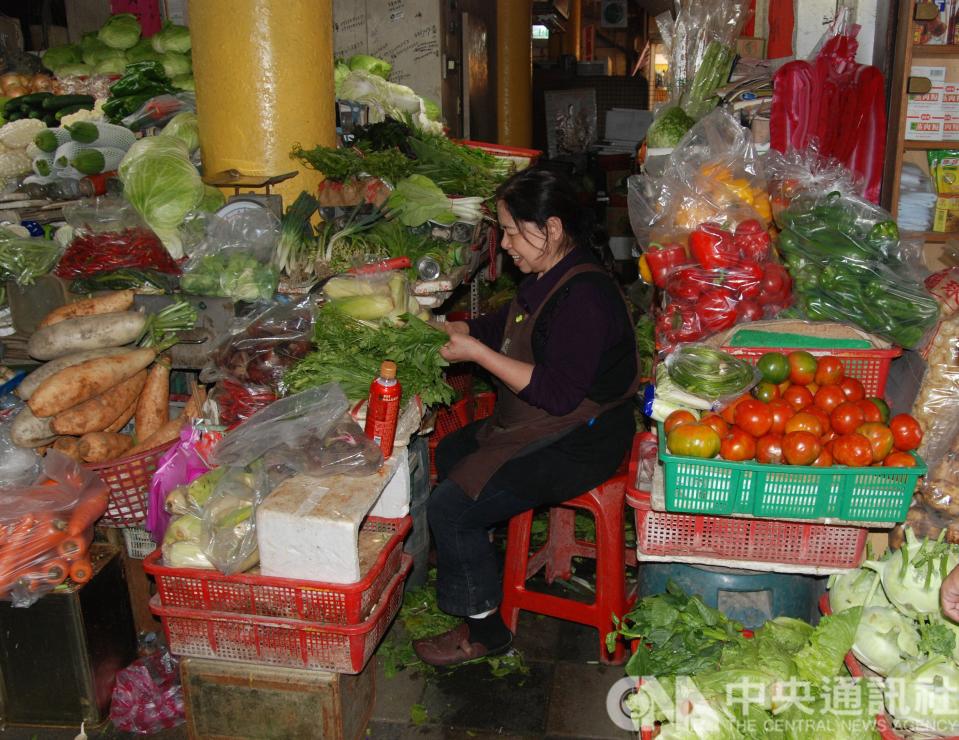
68 110
83 132
34 99
56 102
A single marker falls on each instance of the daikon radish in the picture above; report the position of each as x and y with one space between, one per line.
153 408
167 433
29 430
82 382
102 446
112 302
87 332
69 446
96 414
122 419
30 383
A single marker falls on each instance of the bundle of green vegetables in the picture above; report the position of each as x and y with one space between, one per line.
349 352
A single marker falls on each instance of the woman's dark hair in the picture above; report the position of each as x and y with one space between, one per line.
535 195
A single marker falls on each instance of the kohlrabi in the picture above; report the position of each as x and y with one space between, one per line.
885 638
923 696
853 588
912 574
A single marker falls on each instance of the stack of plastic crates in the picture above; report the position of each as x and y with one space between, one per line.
287 622
470 407
794 519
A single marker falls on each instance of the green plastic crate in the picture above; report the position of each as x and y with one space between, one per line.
722 488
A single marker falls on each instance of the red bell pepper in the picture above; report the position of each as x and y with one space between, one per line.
713 247
744 279
752 240
716 311
663 259
677 324
776 285
686 284
748 311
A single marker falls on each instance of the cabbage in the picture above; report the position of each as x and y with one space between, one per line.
668 128
93 50
385 99
143 52
853 588
923 696
911 576
171 38
184 82
340 71
884 638
75 70
112 66
121 31
213 199
175 65
163 185
59 56
366 63
185 127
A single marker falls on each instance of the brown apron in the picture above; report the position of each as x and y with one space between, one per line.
516 426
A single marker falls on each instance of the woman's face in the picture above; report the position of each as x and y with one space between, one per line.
532 249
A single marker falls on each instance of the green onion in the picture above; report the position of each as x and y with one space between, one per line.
297 245
161 330
710 373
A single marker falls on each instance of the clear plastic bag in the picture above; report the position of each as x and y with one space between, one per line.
259 349
231 257
309 432
805 172
24 260
19 466
147 696
46 529
228 529
944 286
157 111
371 296
710 374
936 407
234 402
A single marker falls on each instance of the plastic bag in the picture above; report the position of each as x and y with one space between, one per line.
228 523
108 235
232 257
235 402
936 407
39 552
309 432
258 350
158 111
147 696
710 374
944 286
371 296
24 260
805 172
179 466
19 466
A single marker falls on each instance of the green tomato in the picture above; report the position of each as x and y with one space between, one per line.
774 367
693 440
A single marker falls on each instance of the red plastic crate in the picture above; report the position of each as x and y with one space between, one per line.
129 481
282 642
869 366
289 598
448 419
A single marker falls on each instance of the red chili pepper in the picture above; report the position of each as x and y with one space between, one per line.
713 247
663 259
239 402
716 311
92 253
776 285
752 240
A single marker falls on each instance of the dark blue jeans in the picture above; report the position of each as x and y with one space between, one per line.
468 579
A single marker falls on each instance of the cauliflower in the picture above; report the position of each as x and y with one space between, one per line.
85 115
19 134
14 163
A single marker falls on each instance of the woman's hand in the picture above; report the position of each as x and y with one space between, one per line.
451 327
462 348
949 595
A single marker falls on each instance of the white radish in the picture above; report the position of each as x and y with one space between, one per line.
29 430
33 380
86 332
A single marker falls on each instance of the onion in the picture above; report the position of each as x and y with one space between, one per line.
41 83
13 79
14 90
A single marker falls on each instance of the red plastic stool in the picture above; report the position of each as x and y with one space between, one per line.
606 503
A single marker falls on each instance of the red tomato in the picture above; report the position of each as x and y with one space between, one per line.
846 417
769 449
783 387
824 460
766 391
879 436
781 411
853 450
828 437
798 397
694 440
812 388
801 448
852 389
829 371
822 416
737 446
870 411
805 422
753 417
729 413
716 422
900 460
675 419
802 367
828 397
906 432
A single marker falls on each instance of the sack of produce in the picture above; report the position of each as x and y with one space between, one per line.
47 528
937 403
944 286
806 172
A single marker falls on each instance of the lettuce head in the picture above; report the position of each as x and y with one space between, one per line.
175 64
59 56
121 31
171 38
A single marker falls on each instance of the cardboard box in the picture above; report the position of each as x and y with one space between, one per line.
925 113
935 30
950 111
750 47
946 219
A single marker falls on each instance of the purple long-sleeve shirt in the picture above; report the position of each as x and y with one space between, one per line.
583 326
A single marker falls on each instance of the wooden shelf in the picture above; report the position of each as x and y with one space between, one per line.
926 145
929 50
933 237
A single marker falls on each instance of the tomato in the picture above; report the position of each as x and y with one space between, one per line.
870 411
883 409
846 417
906 432
769 449
753 417
729 413
822 416
900 460
681 416
802 367
805 422
798 397
828 437
801 448
694 440
716 422
828 397
783 387
829 371
880 439
853 389
853 450
824 460
781 411
774 367
737 446
766 391
812 388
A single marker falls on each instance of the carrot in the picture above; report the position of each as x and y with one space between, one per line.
79 383
54 572
118 300
73 547
153 408
122 419
167 433
15 557
86 511
81 571
99 412
98 447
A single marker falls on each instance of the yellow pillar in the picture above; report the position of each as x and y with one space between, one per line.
514 70
574 29
264 82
